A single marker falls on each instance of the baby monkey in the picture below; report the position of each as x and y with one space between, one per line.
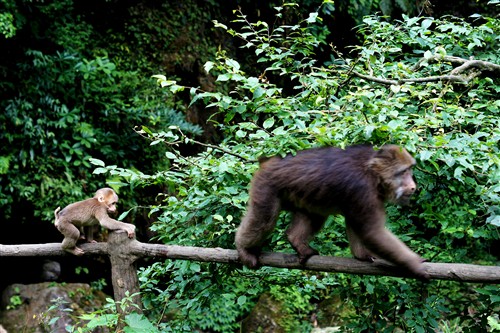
87 214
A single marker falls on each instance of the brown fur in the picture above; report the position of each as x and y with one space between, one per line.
318 182
74 218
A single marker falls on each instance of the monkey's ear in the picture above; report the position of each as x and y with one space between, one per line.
383 158
389 151
100 198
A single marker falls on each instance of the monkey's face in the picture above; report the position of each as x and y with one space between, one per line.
404 186
111 208
109 198
393 165
111 205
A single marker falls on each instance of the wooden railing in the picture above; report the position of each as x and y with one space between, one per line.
124 252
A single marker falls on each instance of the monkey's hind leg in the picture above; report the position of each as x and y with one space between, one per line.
358 250
304 226
257 224
71 236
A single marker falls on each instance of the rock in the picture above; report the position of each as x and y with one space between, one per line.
30 308
334 311
51 270
264 317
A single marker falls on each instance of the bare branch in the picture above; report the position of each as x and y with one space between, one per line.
477 64
453 78
375 79
225 151
468 70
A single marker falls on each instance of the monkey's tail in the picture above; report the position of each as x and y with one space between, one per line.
55 214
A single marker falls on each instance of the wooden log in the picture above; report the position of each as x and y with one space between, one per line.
439 271
123 272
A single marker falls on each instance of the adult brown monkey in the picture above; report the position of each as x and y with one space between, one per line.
318 182
85 215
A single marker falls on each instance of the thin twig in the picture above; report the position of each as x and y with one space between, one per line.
220 149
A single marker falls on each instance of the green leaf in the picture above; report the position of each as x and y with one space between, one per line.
458 173
99 171
96 161
494 220
223 167
195 267
170 156
224 77
174 88
242 300
426 24
419 329
208 66
268 123
219 25
395 89
138 323
368 131
258 92
159 77
4 164
233 64
425 155
218 217
312 17
147 130
124 215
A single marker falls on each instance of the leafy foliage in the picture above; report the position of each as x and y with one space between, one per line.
77 103
69 102
295 103
107 318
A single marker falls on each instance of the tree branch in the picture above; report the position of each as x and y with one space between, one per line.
468 70
453 78
439 271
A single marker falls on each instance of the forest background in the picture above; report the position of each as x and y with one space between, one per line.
171 103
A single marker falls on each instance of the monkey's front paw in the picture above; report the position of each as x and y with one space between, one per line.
422 274
367 258
130 230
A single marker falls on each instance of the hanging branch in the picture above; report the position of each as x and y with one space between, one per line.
187 139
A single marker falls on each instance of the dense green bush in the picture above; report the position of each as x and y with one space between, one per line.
65 101
75 101
51 130
401 87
